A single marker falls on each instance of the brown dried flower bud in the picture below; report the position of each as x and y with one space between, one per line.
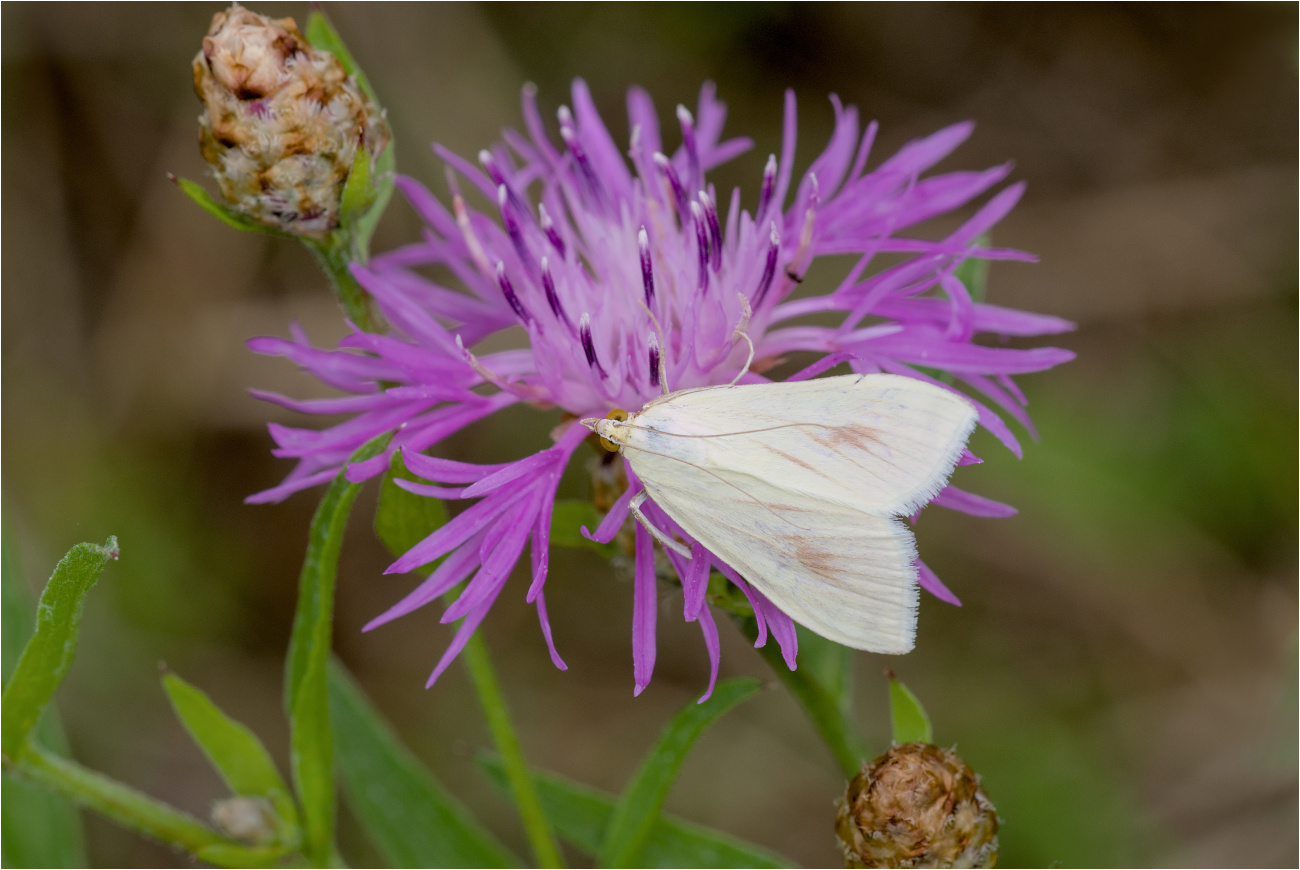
281 121
917 806
248 820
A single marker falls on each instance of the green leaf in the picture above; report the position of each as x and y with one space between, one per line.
39 828
910 724
311 744
837 729
321 34
220 210
234 751
49 653
829 664
229 855
974 271
638 808
404 519
567 520
407 814
383 182
581 813
356 191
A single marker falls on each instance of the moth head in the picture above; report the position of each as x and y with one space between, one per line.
611 434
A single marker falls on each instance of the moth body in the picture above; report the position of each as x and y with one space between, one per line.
800 486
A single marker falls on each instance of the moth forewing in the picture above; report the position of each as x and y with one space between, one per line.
797 486
846 575
882 444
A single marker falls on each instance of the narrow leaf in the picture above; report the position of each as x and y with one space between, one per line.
638 808
581 813
38 828
236 753
321 34
828 663
403 519
910 724
230 855
49 653
311 754
407 814
220 210
356 196
383 183
307 696
974 272
567 520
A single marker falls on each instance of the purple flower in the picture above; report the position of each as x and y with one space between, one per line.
616 263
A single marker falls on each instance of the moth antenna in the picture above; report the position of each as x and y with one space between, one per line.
740 332
746 312
663 348
745 370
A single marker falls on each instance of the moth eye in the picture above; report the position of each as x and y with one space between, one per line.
619 415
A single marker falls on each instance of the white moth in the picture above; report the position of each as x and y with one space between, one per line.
800 486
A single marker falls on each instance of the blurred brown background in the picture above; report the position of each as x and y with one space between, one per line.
1123 672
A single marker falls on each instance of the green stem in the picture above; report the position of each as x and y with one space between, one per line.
540 835
831 721
119 802
334 258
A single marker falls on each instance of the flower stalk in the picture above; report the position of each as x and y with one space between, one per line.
541 836
121 803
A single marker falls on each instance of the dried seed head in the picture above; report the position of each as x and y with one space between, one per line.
248 820
917 806
281 121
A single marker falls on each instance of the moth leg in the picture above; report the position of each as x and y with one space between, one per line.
659 536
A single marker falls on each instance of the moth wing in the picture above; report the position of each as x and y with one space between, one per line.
881 444
847 575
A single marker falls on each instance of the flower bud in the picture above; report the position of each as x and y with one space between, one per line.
248 820
917 806
281 121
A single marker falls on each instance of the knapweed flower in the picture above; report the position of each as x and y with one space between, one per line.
281 121
622 266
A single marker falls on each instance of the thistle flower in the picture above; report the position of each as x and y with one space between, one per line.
281 121
917 806
617 269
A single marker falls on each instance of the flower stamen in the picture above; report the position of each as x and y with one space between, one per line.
647 270
715 229
552 298
702 239
656 361
769 268
512 224
679 193
769 187
688 144
548 227
798 264
508 291
589 345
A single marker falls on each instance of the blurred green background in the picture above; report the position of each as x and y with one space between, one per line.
1123 672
